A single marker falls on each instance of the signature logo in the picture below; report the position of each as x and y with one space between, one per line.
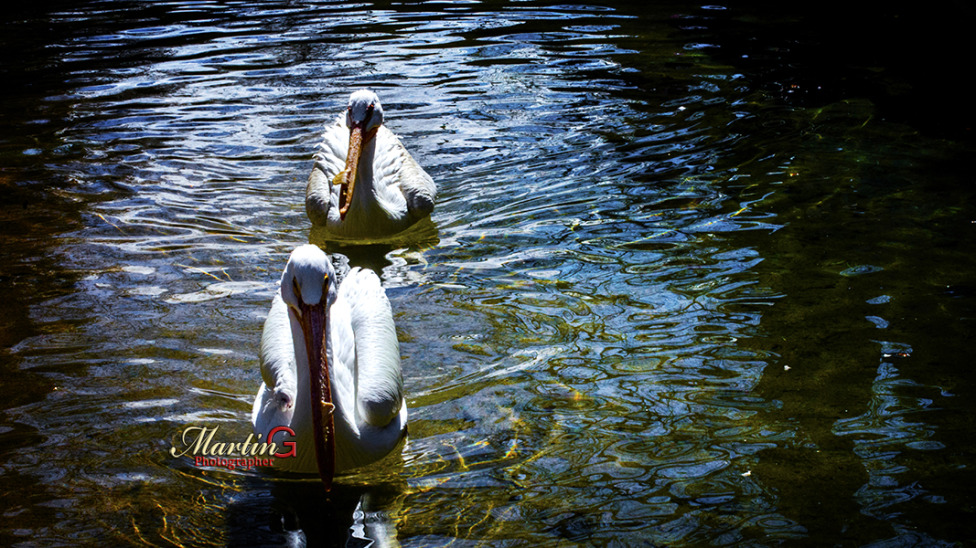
198 444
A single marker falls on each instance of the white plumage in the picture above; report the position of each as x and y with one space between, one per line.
360 359
364 184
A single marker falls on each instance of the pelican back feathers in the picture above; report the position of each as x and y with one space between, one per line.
375 357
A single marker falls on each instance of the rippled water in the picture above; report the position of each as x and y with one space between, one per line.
698 274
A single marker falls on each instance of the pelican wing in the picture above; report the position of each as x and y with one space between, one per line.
401 177
375 356
274 404
329 161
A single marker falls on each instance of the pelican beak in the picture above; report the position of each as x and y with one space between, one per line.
347 177
313 320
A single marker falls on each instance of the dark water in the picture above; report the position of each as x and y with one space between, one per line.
700 274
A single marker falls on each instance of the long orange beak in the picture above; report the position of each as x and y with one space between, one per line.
313 322
357 140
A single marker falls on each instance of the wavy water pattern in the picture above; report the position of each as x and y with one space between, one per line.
628 257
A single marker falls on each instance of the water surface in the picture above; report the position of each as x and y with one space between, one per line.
687 283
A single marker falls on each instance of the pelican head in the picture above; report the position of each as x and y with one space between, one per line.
364 116
308 288
308 277
364 111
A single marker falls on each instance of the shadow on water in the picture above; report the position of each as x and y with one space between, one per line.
376 255
818 379
874 312
867 384
393 260
810 54
40 206
301 513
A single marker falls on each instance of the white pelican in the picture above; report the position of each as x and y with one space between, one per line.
330 363
364 184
